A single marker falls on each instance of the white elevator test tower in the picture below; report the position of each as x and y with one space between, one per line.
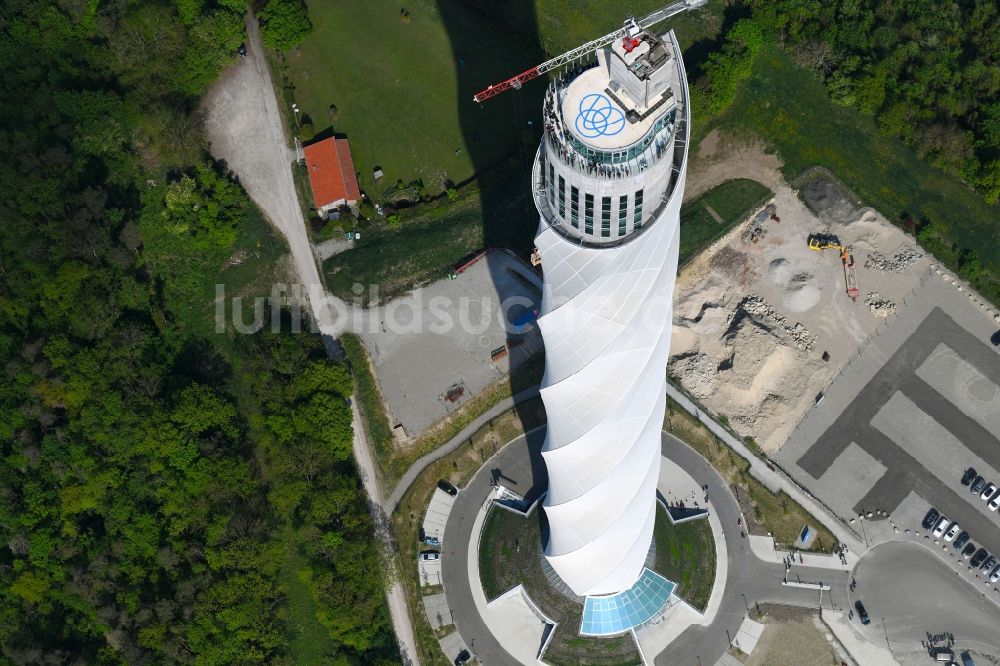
608 180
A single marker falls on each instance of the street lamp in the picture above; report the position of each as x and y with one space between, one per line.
745 603
295 110
861 518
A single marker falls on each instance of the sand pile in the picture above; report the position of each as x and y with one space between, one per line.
799 289
801 293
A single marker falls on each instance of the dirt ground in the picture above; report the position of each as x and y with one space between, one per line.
721 158
752 320
793 637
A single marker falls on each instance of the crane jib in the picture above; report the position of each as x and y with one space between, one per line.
513 82
584 49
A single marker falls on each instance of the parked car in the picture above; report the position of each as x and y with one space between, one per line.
941 527
988 565
969 550
977 485
430 556
952 532
432 541
989 491
994 503
931 518
462 657
960 542
995 574
447 487
862 613
969 476
978 558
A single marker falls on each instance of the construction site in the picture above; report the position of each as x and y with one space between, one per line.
768 315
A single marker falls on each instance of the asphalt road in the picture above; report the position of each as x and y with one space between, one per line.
749 579
907 590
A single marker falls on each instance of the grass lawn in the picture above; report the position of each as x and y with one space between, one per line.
731 200
405 101
432 114
434 236
565 24
510 553
789 108
398 87
685 554
766 512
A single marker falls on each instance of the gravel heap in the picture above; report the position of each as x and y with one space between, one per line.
757 307
880 307
901 262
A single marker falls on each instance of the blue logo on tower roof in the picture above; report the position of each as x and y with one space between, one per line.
597 116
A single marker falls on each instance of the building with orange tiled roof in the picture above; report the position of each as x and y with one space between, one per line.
331 174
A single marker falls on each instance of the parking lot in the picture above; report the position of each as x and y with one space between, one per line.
434 522
897 429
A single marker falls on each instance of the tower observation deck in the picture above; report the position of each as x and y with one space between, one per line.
608 180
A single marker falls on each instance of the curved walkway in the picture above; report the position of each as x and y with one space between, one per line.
749 579
465 433
420 464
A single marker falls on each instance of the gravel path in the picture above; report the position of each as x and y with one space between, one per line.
246 129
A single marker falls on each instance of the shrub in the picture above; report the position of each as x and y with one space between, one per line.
284 24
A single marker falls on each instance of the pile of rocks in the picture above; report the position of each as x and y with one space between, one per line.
901 262
757 307
880 307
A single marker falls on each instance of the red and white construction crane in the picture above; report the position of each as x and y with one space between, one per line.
627 33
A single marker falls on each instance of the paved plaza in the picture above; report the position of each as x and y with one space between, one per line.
907 417
444 336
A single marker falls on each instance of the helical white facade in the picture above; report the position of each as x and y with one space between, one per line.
606 308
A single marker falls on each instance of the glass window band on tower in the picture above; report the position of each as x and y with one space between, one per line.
599 156
552 185
562 197
622 213
606 217
574 206
637 217
588 213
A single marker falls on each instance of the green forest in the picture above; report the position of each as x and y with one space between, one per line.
166 495
928 72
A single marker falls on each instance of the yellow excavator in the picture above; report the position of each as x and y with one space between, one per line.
825 242
819 242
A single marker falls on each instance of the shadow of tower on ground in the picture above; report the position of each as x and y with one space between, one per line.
501 136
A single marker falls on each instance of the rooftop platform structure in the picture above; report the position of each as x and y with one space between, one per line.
609 131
